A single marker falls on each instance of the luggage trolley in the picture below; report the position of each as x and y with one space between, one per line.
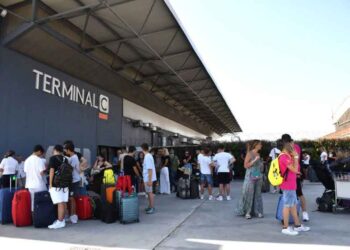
342 188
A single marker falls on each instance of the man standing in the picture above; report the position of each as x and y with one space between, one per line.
286 138
59 195
130 167
149 176
222 161
34 168
174 165
73 160
204 163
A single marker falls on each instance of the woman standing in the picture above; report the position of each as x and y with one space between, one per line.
251 200
139 162
164 173
97 173
8 168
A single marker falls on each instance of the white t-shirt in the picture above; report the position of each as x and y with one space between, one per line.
9 165
33 166
21 173
274 153
222 160
324 156
74 162
306 160
148 163
204 164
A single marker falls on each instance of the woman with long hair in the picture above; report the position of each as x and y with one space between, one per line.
164 173
251 203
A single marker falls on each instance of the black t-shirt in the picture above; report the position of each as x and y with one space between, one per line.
129 163
56 161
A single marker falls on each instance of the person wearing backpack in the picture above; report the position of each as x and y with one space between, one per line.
59 190
289 168
286 138
73 160
34 168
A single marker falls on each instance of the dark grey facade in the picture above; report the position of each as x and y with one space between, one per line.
31 116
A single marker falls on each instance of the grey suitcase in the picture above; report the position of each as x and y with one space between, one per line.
128 206
184 188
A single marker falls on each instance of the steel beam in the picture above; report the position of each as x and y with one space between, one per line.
20 31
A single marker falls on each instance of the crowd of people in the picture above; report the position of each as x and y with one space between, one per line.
157 171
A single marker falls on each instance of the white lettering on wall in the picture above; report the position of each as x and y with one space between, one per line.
52 85
37 77
46 85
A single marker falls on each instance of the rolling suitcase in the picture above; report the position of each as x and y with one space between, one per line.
21 209
194 189
183 188
6 196
45 212
128 207
279 212
84 207
96 204
109 211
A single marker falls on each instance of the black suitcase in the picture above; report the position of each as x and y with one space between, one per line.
194 189
311 174
45 212
6 196
109 211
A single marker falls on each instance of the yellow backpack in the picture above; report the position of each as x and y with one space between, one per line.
108 177
274 175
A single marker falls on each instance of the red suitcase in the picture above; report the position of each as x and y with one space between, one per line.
21 209
84 207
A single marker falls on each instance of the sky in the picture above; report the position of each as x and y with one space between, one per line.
282 66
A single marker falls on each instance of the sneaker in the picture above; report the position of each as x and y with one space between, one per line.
301 228
260 215
57 224
150 211
220 198
202 197
146 209
228 198
248 216
74 219
306 216
211 198
289 231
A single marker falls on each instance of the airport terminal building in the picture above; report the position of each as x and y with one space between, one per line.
104 74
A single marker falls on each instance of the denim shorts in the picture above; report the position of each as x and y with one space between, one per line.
289 198
207 178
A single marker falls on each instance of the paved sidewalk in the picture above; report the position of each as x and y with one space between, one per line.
191 224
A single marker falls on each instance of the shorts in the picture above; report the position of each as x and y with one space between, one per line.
224 178
59 195
299 190
289 198
207 178
74 190
148 189
32 192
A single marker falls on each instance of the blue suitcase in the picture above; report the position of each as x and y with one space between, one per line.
128 207
45 212
6 196
279 212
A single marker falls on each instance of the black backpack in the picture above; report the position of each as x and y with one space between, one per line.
326 202
64 175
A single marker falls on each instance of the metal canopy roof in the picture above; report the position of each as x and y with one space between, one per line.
138 39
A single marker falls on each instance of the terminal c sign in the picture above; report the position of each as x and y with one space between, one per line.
54 86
